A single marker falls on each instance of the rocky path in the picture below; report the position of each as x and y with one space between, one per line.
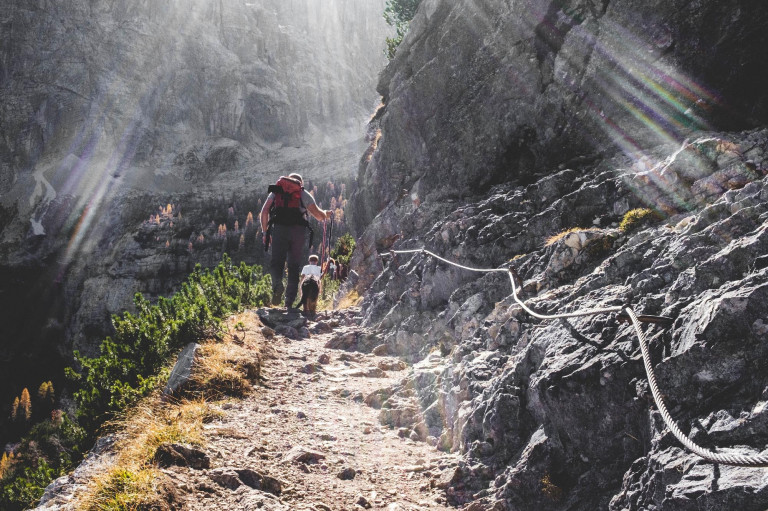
306 440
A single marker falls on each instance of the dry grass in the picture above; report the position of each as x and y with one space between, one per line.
351 299
229 367
134 482
224 367
636 218
372 146
551 490
557 237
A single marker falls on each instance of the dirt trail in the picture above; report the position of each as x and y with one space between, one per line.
306 440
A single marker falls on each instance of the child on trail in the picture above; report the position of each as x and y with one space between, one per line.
310 285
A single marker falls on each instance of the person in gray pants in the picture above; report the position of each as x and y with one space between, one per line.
288 219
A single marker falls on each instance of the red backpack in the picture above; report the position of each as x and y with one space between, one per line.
287 207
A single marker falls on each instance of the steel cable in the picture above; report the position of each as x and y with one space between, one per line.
740 460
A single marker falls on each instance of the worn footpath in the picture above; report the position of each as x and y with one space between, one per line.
306 439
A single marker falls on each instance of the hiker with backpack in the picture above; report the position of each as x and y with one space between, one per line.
284 222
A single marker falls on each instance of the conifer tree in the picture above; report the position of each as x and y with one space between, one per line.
15 410
46 394
25 405
5 462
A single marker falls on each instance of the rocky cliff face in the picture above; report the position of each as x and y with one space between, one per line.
483 92
505 125
131 131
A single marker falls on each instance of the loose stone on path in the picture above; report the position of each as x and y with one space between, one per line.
309 438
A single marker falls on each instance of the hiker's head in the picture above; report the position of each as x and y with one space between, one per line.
313 259
297 177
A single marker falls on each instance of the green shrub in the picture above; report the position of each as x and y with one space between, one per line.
24 491
328 290
131 359
398 14
636 218
342 252
48 451
128 368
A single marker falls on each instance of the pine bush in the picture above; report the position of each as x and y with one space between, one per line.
131 360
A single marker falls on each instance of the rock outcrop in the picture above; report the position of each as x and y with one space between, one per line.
505 126
483 92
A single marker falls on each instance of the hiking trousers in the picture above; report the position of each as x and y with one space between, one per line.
287 247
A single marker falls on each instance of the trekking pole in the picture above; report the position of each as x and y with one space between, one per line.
322 246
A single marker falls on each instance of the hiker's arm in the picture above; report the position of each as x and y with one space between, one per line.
264 217
319 213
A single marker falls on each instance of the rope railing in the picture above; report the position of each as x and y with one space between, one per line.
735 459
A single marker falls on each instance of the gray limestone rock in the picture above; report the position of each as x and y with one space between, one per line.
555 414
182 369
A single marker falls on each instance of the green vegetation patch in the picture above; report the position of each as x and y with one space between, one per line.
131 364
130 361
637 218
398 14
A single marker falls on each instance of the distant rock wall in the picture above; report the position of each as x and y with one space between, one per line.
158 76
507 124
111 111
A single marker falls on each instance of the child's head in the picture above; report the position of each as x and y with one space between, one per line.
313 259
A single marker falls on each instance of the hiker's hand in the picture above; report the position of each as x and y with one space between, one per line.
264 237
329 213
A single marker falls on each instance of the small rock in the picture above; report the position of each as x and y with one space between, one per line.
392 365
301 415
287 331
226 477
381 350
267 332
347 474
261 482
181 455
325 358
304 333
363 502
314 367
302 455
